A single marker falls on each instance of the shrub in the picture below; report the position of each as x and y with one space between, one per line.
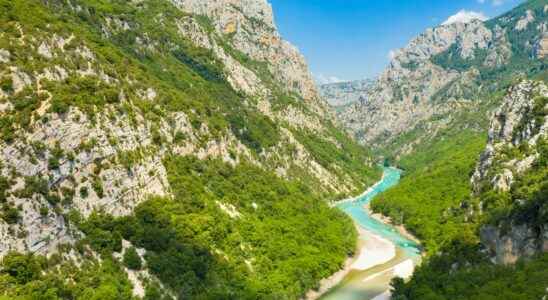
6 84
4 187
44 210
84 193
22 267
132 260
10 214
53 163
34 185
98 187
59 106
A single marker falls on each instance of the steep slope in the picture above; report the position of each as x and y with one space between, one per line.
171 127
511 178
447 69
508 207
341 94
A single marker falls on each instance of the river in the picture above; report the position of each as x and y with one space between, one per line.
373 283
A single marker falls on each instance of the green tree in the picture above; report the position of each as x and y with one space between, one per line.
132 260
22 267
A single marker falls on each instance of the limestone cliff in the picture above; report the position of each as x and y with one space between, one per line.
89 112
250 26
513 169
446 69
341 94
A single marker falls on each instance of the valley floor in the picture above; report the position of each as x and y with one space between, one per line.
383 252
372 250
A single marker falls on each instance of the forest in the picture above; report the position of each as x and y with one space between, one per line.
279 243
460 267
227 231
435 184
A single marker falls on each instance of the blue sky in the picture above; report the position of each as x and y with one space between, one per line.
351 39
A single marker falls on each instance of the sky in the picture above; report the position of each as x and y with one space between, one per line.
352 39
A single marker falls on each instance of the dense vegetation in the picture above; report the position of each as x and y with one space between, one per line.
437 182
436 179
26 276
448 278
228 232
462 271
279 242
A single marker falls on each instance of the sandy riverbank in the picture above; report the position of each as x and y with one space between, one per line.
372 251
375 251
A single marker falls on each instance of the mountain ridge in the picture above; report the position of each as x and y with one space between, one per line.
444 69
125 125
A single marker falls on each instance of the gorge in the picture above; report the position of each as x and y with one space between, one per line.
180 149
384 254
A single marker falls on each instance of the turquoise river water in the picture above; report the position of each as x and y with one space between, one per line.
368 284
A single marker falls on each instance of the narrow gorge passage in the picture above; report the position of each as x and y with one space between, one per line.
375 264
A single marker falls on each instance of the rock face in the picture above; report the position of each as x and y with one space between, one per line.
250 25
541 48
344 93
87 156
443 69
402 96
512 126
520 242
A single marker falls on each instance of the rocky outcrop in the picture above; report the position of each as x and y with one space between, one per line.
344 93
525 20
511 125
520 120
250 26
521 241
541 47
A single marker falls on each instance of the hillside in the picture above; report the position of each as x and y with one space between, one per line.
474 190
507 209
165 149
341 94
445 70
439 152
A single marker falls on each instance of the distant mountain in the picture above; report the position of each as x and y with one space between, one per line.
462 109
344 93
446 69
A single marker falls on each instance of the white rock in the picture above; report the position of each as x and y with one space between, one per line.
45 50
229 209
4 56
20 80
524 22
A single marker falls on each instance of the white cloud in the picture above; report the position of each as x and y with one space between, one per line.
323 79
465 16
